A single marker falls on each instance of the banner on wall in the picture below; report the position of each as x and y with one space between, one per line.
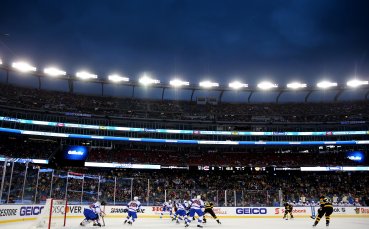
14 213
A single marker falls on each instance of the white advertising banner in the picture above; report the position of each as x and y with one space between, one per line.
14 213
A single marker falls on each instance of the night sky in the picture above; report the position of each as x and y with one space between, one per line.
279 40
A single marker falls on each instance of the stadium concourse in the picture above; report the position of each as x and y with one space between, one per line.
275 223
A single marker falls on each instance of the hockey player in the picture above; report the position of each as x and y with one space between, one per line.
181 213
287 209
196 206
167 207
209 209
326 208
92 214
133 206
175 205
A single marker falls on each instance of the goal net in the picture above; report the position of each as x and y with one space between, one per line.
53 215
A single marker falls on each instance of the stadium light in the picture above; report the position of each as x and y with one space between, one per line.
237 85
1 61
85 75
296 85
146 80
326 84
23 67
179 83
51 71
356 83
117 78
208 84
267 85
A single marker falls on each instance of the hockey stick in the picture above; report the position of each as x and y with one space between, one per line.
312 211
102 217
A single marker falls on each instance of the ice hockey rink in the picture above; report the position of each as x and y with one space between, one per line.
260 223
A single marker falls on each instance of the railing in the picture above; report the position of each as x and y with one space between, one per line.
28 183
61 117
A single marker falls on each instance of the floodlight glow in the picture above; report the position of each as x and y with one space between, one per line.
117 78
356 83
208 84
326 84
178 83
237 85
145 80
54 72
85 75
23 67
296 85
1 61
267 85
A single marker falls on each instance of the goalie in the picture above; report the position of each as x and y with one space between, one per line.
92 214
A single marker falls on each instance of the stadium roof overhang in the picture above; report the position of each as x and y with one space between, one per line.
339 89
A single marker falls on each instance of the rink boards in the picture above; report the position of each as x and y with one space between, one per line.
16 213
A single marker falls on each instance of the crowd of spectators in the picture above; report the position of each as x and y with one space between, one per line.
32 148
44 100
261 157
223 188
246 188
37 148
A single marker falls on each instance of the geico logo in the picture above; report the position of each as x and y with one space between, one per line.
118 210
8 212
30 210
74 209
157 209
251 211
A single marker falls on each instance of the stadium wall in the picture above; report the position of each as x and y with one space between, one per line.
17 213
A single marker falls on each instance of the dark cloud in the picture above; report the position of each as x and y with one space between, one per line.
281 38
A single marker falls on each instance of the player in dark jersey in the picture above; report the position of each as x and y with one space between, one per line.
326 208
209 209
287 209
175 205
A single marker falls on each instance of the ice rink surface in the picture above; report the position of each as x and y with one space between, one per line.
255 223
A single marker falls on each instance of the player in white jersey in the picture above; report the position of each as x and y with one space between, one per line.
133 206
167 207
181 212
92 213
196 206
